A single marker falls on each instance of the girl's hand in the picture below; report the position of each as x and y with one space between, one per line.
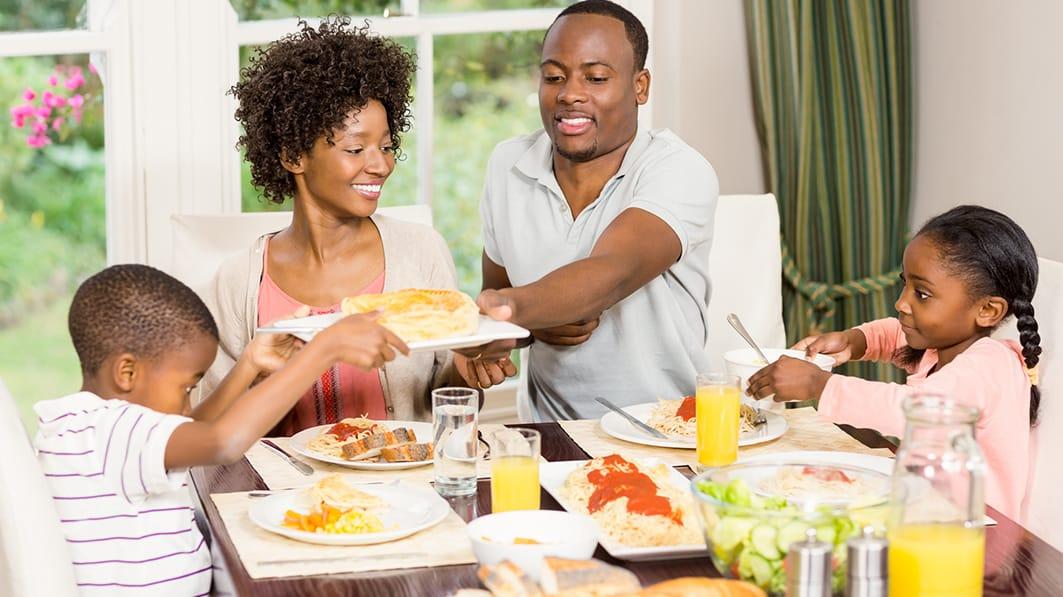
790 380
484 373
835 344
360 341
269 352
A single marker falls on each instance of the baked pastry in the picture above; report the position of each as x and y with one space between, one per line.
585 578
416 315
692 586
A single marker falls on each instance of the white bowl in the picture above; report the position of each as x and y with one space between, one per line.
743 362
560 534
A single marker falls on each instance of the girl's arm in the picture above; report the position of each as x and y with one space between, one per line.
357 340
882 337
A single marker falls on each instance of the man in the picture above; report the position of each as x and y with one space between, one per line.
596 233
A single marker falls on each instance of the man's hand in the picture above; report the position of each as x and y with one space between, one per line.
496 305
484 373
789 379
567 335
269 352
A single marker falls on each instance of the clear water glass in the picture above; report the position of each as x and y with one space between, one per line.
455 440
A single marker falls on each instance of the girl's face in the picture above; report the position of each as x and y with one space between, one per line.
935 307
345 178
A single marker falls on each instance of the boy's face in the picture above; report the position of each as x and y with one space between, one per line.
165 383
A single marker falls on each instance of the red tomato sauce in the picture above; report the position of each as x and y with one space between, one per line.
621 478
687 409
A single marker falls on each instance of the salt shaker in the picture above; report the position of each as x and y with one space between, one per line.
808 567
866 569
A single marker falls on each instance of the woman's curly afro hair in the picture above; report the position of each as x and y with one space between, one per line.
304 85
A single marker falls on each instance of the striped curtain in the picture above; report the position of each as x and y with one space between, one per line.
832 88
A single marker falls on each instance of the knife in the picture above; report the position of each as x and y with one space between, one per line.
299 465
637 423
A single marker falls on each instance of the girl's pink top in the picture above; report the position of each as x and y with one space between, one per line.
988 375
341 391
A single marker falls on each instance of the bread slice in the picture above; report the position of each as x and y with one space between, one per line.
691 586
370 445
506 579
585 578
407 453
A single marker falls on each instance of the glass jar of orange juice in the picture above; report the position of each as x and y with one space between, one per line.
717 410
936 534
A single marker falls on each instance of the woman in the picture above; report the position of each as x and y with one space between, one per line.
322 112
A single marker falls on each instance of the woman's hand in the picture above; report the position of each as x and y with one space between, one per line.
790 380
360 341
484 373
269 352
837 345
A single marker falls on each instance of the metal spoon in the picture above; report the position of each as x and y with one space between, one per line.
759 418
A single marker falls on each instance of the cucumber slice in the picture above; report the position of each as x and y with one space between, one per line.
826 533
731 531
790 532
763 539
762 571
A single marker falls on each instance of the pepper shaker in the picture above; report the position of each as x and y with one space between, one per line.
866 568
808 567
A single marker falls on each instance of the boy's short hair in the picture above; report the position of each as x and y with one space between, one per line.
136 309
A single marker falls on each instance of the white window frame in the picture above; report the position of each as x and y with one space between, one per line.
169 131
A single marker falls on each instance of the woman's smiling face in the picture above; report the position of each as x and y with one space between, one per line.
345 178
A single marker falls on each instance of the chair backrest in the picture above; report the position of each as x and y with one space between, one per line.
202 242
34 558
745 268
1041 513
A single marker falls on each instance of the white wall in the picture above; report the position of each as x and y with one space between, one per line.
988 103
989 112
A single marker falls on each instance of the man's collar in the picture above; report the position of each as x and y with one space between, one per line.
538 161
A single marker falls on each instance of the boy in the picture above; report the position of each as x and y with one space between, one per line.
117 452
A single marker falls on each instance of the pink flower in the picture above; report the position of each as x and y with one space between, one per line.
44 111
57 124
46 97
29 95
76 115
23 110
92 69
37 141
76 101
53 80
75 81
40 127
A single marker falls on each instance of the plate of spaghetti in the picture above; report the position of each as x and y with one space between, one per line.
335 512
644 508
363 443
676 419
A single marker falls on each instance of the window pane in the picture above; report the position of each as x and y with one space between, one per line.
51 218
401 187
486 90
255 10
41 15
467 5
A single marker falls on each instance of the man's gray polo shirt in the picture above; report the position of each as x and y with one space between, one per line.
649 345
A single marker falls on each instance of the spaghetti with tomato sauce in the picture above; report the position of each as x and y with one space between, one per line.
633 504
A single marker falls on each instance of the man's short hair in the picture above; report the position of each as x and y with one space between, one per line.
136 309
636 32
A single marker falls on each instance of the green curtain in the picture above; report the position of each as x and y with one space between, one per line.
832 88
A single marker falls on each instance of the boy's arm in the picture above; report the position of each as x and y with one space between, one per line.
356 340
231 387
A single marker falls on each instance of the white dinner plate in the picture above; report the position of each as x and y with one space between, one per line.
552 476
621 428
410 509
488 330
299 443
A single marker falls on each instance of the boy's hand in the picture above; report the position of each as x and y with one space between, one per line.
269 352
789 379
360 341
484 373
835 344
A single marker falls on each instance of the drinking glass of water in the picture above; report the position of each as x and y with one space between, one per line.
455 440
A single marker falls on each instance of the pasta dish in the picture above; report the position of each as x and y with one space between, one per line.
635 505
366 440
331 441
677 418
416 315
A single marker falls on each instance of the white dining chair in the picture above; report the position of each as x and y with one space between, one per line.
202 242
1041 512
34 558
745 270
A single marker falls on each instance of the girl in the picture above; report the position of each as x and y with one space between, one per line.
966 271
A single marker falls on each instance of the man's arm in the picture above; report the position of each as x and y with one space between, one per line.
636 248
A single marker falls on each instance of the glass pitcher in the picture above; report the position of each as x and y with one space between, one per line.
936 534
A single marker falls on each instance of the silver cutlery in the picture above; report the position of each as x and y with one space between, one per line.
759 418
299 465
637 423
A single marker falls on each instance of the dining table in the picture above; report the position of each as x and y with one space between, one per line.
1017 562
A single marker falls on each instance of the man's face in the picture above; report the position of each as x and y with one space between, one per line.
589 91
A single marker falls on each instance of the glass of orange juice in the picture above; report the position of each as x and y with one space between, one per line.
716 408
514 469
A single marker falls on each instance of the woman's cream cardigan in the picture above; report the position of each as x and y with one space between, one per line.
415 256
